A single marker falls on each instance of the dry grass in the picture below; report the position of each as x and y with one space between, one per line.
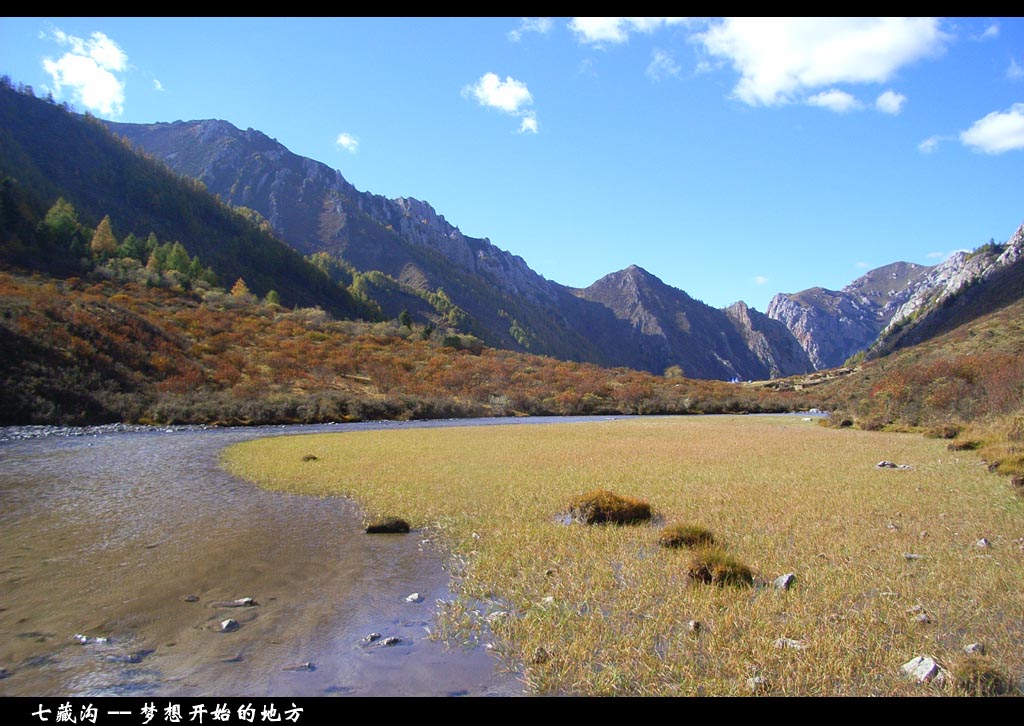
714 566
611 610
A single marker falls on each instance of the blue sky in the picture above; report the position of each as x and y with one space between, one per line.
732 158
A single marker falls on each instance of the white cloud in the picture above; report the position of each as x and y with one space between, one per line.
990 32
780 59
662 65
510 96
834 100
89 69
861 265
760 280
528 124
1015 72
531 25
929 145
937 255
157 85
348 142
616 30
998 132
890 102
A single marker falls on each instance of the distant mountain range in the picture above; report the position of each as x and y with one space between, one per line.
407 257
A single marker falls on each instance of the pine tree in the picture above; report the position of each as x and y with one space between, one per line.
240 289
104 243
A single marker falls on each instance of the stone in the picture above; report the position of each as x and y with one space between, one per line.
891 465
388 525
191 598
924 669
784 582
307 666
790 643
983 543
370 638
229 625
757 684
389 641
975 649
242 602
695 626
414 597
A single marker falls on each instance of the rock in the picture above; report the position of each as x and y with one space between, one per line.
975 649
784 582
757 684
695 626
497 616
309 457
924 669
86 640
307 666
389 641
923 618
4 673
910 556
229 625
415 597
983 543
790 643
891 465
370 638
242 602
388 525
191 598
892 527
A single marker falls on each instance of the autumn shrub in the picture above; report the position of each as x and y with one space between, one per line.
600 506
680 534
714 566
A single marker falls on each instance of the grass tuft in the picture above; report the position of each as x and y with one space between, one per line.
977 675
680 534
714 566
601 505
388 525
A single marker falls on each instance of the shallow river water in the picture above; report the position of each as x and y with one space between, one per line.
136 537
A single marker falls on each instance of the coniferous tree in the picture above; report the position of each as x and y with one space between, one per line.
104 243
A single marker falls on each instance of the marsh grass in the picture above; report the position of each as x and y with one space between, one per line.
978 675
681 534
715 566
601 506
612 609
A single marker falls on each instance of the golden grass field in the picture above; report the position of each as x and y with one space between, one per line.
603 610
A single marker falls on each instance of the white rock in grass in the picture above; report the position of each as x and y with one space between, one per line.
415 597
790 643
975 649
229 625
924 669
784 582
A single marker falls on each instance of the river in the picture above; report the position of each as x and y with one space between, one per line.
133 542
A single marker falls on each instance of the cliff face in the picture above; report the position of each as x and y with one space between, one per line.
832 325
966 285
770 340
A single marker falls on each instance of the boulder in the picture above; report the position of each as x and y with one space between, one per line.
784 582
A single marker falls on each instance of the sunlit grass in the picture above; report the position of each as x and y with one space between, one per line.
605 610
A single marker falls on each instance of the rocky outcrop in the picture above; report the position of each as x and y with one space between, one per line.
770 341
832 325
966 285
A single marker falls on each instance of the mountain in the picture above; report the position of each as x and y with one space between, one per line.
53 153
663 320
964 287
832 325
496 296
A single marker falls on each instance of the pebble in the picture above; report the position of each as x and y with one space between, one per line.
415 597
18 433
